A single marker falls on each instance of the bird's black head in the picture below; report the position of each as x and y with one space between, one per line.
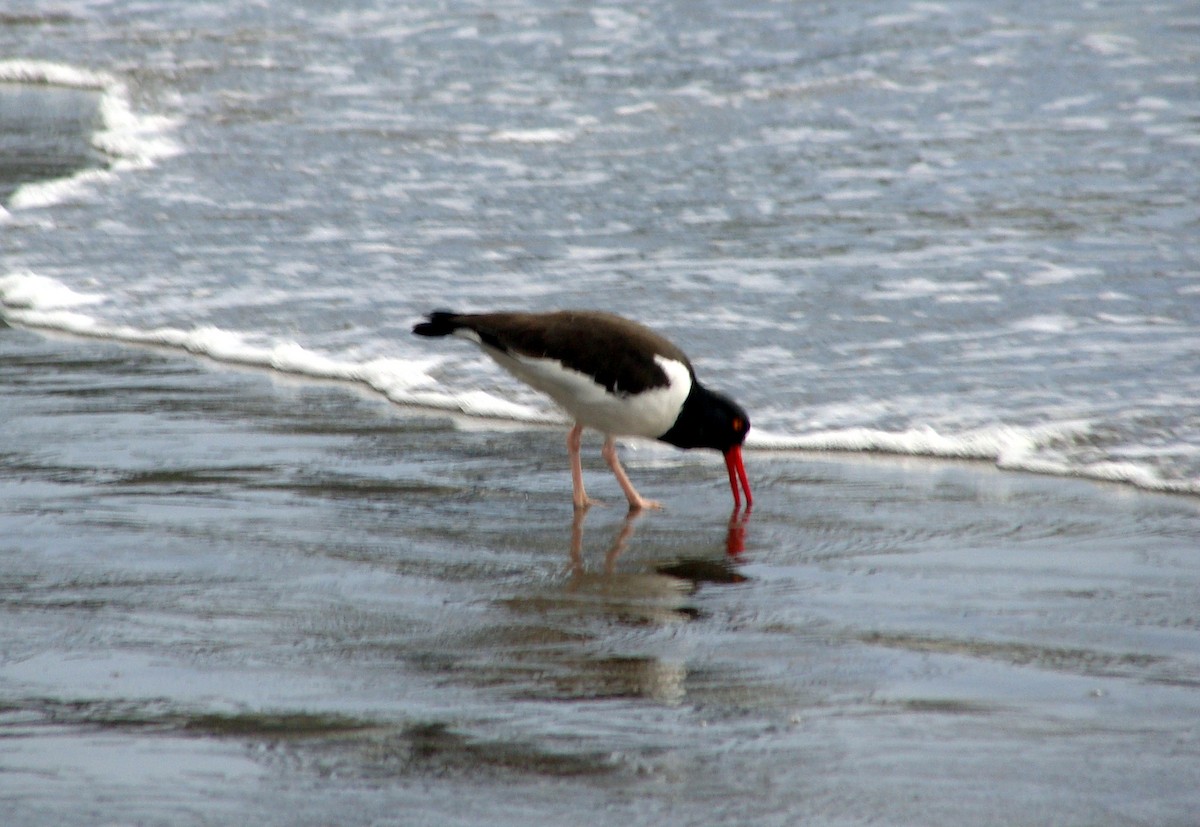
711 420
708 420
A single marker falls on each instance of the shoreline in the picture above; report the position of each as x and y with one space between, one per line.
466 420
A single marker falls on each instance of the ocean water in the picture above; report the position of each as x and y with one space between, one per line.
960 230
947 256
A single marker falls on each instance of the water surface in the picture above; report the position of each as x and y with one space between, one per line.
265 556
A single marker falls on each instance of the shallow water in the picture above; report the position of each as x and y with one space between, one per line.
227 596
44 134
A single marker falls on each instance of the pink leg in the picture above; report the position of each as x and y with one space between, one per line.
574 440
636 502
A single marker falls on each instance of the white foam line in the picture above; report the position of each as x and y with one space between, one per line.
130 139
29 291
1009 448
36 301
1005 445
547 135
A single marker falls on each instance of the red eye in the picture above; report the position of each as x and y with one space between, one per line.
737 424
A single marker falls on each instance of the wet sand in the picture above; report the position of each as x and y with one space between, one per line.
229 597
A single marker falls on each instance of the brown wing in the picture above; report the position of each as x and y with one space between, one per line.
617 352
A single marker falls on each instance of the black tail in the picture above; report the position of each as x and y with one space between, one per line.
441 323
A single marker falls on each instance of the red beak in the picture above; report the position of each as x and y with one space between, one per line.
737 475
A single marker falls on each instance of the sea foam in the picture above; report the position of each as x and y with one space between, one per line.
33 300
1032 449
37 301
131 140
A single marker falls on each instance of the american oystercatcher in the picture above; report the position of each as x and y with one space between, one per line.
611 374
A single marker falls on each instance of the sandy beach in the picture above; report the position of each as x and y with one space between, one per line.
229 597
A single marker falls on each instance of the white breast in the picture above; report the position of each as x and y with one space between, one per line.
649 414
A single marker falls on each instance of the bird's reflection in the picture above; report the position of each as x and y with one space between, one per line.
696 570
620 541
563 645
640 597
735 537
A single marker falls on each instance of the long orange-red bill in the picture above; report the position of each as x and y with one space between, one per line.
737 476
